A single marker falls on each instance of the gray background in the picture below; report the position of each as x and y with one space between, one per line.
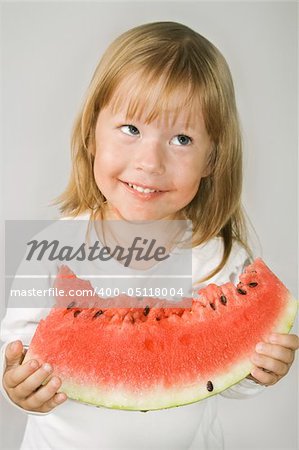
49 51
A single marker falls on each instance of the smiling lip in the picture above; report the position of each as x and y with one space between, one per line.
143 196
144 186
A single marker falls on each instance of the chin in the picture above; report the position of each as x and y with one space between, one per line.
135 216
140 217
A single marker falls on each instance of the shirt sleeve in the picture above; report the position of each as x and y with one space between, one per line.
23 312
244 389
18 323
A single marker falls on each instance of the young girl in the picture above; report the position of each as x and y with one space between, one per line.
158 138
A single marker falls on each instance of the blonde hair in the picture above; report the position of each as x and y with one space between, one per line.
170 59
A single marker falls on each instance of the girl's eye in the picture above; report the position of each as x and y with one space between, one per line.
131 130
182 139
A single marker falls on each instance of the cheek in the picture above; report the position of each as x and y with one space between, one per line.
105 163
190 190
188 176
188 180
101 169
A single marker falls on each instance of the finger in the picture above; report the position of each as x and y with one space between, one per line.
275 351
264 378
58 399
17 375
43 395
30 384
273 365
290 341
14 354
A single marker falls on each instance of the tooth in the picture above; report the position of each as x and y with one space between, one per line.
140 189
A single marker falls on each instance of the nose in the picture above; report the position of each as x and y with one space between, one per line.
150 157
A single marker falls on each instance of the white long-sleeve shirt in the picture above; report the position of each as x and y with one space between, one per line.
75 425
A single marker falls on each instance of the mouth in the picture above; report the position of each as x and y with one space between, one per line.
143 189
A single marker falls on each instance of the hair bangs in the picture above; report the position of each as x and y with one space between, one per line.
156 96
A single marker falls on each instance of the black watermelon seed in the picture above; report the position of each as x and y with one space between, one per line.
213 306
76 313
146 310
253 284
241 291
71 305
97 314
223 300
157 318
210 386
144 410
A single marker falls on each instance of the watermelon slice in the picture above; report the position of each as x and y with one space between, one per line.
152 358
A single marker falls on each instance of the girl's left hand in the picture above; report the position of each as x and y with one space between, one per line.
273 358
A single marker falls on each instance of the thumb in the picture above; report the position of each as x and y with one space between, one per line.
14 354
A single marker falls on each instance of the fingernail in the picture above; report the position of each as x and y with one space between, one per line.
60 398
14 345
255 358
34 364
259 347
273 338
55 381
47 367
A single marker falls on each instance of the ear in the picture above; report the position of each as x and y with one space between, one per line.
206 172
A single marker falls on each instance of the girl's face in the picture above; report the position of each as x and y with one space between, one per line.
149 171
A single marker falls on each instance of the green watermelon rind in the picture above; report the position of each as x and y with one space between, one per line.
162 398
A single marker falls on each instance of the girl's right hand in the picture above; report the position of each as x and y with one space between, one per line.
23 382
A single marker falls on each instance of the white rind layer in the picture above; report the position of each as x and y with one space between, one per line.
286 320
160 397
157 398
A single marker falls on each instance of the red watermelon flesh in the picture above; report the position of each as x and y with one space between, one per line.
153 358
